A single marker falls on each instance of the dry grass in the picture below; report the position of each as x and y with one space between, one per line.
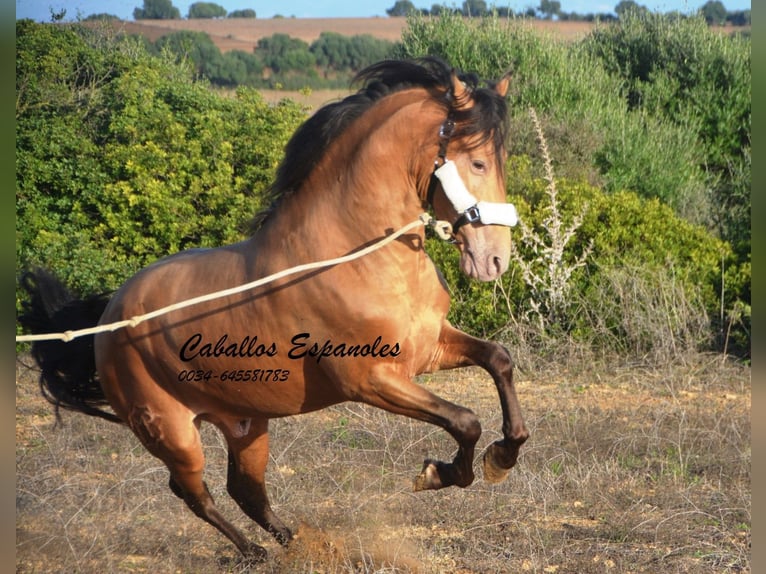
626 471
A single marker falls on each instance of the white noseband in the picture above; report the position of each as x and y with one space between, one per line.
466 205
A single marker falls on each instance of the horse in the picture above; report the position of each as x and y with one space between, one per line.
416 135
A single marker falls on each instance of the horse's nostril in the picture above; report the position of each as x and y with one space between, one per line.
498 265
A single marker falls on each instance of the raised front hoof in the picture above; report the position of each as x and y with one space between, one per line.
437 474
428 479
497 463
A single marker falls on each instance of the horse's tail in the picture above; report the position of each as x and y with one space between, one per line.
68 376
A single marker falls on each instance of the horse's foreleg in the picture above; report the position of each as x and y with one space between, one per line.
246 483
396 393
458 349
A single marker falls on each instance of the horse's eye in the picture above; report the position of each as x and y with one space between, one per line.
478 166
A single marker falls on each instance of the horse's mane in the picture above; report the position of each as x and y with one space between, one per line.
488 117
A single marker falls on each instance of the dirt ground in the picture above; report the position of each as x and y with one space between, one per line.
627 470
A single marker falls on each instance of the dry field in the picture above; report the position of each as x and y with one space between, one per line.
627 470
243 34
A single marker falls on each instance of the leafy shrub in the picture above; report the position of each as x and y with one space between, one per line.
647 144
343 53
615 235
246 13
123 158
682 73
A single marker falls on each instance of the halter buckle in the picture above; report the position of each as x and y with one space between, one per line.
472 214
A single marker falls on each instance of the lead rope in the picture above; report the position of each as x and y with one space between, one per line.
442 229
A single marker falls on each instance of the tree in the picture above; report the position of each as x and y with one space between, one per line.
246 13
280 52
628 6
206 10
714 13
157 10
401 8
550 8
102 16
474 8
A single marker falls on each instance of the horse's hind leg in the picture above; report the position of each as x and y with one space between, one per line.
248 457
174 438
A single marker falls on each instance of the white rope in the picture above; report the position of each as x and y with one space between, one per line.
67 336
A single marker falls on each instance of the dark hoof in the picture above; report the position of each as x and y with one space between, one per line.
437 474
428 479
254 554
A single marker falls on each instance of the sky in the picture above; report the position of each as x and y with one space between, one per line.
40 10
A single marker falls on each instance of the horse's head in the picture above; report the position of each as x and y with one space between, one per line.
468 186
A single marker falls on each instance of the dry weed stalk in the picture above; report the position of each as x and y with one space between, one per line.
548 274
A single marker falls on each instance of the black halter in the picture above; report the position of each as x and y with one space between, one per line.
445 134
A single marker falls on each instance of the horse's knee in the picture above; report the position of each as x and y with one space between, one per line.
466 427
501 360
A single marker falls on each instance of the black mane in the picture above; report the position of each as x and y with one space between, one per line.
307 146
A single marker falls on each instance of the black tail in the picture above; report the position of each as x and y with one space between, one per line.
68 375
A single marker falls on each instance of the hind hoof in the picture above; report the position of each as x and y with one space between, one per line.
254 554
493 472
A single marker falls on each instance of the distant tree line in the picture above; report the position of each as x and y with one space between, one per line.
278 61
164 10
714 11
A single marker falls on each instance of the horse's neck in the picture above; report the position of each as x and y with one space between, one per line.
368 181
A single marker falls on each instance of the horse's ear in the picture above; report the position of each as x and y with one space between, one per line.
502 86
460 92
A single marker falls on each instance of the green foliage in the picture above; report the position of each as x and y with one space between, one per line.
279 60
281 52
123 158
549 8
206 10
246 13
714 12
401 8
101 17
684 75
157 10
335 52
655 106
474 8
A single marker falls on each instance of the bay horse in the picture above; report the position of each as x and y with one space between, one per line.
353 172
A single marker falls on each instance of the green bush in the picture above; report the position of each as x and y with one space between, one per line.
123 158
329 62
206 10
683 74
655 107
615 231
